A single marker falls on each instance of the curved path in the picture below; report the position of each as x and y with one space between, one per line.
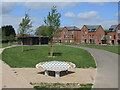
9 79
107 67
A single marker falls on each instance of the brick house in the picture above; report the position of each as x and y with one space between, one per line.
57 38
113 35
69 34
92 34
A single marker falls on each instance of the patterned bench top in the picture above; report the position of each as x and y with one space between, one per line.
55 65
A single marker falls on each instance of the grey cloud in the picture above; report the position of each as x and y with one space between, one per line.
7 7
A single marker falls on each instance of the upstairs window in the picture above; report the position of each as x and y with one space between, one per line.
83 36
92 36
72 36
72 32
65 32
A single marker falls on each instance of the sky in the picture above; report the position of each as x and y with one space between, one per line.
72 13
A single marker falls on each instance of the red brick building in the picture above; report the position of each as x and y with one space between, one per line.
113 35
92 34
69 34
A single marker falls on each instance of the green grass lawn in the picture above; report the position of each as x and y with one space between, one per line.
35 54
113 49
63 86
3 45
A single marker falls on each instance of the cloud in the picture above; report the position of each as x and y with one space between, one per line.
98 3
44 5
61 1
90 18
70 14
7 7
11 20
15 20
89 15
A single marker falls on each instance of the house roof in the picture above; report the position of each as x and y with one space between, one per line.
112 28
72 28
92 28
61 28
18 35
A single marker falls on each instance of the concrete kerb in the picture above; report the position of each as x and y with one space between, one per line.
96 68
65 45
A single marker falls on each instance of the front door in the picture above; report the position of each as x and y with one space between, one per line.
113 42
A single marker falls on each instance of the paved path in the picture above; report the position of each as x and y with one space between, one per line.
9 79
107 68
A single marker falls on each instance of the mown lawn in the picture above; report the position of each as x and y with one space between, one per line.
113 49
3 45
35 54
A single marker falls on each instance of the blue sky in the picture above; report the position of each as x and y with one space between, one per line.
78 14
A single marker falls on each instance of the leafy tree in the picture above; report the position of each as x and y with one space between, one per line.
106 31
8 33
75 38
53 22
25 27
41 31
105 37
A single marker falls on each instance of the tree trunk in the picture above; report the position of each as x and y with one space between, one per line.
51 50
22 46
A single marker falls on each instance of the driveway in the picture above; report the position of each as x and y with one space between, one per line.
107 67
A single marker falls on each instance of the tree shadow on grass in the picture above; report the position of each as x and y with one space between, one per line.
56 54
52 73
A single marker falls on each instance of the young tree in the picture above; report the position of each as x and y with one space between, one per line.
25 27
75 38
53 22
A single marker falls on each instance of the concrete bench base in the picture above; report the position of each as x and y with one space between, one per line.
57 73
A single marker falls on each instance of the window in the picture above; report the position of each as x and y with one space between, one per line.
64 36
72 32
118 35
65 40
114 36
65 32
92 36
118 30
71 41
110 36
72 36
85 31
83 35
83 41
110 41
